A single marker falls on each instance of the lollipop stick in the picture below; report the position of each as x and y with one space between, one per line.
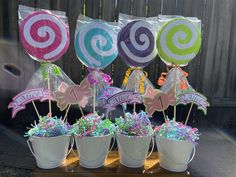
81 110
190 109
36 110
164 115
49 100
67 110
175 95
135 80
94 98
134 107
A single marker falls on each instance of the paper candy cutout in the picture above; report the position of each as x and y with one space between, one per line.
156 100
19 101
120 98
179 41
73 94
105 94
44 36
108 92
196 98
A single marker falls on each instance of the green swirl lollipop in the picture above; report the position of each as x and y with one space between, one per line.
179 41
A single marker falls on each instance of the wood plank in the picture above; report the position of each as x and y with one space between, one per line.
231 71
74 66
124 6
139 8
208 46
108 10
27 64
1 19
92 8
112 168
169 7
11 8
188 8
120 67
44 4
60 5
30 3
154 9
222 46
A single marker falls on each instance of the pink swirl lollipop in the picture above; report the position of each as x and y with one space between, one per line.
44 36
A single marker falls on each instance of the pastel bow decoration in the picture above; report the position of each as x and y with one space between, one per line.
95 77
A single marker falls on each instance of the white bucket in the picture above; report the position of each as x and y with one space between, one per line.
133 150
93 151
174 155
50 152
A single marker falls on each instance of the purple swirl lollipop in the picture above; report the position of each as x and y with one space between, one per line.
137 43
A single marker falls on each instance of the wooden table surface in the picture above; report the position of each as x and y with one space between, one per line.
112 168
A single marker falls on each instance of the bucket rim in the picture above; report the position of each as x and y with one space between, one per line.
102 136
48 137
180 141
118 133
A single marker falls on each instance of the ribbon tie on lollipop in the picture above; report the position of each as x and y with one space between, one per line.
141 80
95 76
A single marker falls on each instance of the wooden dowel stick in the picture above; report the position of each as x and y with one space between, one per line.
67 110
36 110
175 94
190 109
81 110
164 115
94 99
49 100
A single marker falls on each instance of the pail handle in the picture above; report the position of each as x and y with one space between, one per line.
31 150
193 154
72 141
114 140
190 160
151 149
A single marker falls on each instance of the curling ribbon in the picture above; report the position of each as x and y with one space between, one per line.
142 80
162 79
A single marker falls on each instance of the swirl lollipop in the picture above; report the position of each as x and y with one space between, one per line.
179 41
95 45
136 44
44 36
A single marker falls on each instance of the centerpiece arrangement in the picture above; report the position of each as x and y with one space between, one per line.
179 40
49 140
45 37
